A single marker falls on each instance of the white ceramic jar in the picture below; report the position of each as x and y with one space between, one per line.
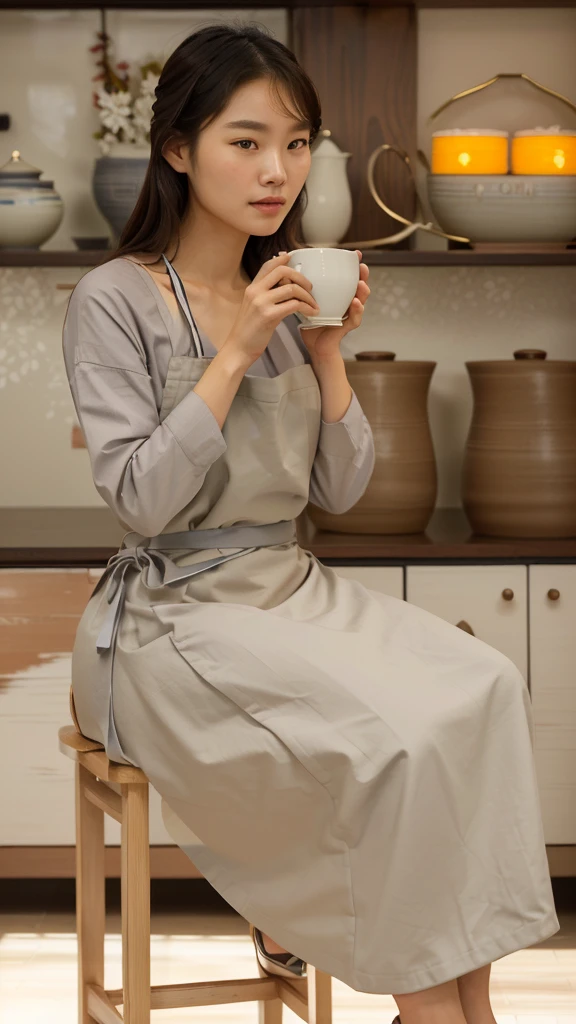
329 211
30 210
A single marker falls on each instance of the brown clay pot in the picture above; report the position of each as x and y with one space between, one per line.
519 472
401 495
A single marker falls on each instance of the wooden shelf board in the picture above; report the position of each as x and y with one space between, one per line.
188 5
373 257
67 537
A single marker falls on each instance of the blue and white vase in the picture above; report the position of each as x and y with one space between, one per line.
117 181
30 210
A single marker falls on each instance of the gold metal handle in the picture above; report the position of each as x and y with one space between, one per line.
466 627
553 595
411 226
510 74
508 594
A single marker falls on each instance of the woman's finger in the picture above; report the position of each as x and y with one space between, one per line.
285 292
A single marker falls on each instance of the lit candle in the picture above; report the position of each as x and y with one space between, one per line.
544 151
470 151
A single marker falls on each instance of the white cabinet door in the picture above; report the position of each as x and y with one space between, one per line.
39 614
553 686
489 599
388 579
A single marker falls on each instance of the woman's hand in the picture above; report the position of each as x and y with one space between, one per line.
266 302
323 342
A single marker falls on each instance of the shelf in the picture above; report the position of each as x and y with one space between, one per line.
189 5
373 257
90 536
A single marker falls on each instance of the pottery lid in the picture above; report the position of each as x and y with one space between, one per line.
326 147
554 129
532 359
470 131
376 359
16 169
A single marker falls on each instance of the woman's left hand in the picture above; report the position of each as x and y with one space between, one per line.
323 342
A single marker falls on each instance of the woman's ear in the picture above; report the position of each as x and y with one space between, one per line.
176 154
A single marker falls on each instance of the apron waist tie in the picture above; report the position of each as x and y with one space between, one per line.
162 572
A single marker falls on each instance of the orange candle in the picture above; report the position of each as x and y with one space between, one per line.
470 151
544 151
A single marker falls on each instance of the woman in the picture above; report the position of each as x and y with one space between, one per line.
357 773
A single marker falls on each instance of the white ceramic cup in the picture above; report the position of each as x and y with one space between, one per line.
334 274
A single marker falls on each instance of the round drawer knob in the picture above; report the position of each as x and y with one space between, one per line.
553 595
508 594
465 626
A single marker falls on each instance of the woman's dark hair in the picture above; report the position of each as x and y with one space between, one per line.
197 81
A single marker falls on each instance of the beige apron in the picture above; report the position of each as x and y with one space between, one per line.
352 774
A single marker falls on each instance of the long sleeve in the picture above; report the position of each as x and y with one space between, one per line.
144 469
345 455
344 460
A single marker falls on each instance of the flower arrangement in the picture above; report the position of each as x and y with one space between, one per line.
125 111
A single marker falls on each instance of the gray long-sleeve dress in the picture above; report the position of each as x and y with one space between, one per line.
118 337
353 774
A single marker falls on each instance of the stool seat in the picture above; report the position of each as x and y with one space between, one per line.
91 754
121 791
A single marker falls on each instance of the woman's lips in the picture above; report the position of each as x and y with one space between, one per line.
268 207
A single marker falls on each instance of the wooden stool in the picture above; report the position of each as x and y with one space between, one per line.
103 786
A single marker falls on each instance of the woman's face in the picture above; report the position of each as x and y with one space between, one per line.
253 152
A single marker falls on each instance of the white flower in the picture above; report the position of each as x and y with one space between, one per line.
143 112
106 142
115 102
148 84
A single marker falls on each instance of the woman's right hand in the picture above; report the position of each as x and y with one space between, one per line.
266 302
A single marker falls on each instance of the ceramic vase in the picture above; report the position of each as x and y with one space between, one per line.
519 471
30 210
117 181
328 212
401 494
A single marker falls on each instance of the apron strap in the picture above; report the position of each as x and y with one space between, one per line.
182 300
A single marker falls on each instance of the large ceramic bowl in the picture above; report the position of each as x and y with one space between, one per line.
505 207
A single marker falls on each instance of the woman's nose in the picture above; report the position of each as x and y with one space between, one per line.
274 171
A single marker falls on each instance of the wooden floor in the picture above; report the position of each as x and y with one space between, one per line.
38 971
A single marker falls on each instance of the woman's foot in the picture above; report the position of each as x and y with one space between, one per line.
271 946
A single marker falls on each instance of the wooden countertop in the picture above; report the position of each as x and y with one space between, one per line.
89 536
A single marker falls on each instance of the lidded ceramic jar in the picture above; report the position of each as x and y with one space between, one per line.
328 212
519 472
401 494
30 210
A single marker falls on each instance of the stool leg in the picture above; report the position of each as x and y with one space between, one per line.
90 894
135 904
319 996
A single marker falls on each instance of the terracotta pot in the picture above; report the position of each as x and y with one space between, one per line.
519 473
401 495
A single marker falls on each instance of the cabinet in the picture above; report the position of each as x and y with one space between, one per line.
388 579
526 611
39 613
553 689
492 600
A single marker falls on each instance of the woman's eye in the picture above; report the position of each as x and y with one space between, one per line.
304 141
242 141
